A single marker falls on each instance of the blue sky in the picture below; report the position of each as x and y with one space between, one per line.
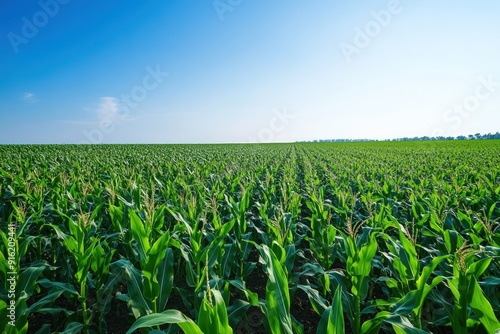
184 71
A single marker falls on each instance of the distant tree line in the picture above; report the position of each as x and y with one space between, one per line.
469 137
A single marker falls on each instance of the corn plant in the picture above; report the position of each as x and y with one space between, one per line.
359 253
471 307
80 244
149 287
277 302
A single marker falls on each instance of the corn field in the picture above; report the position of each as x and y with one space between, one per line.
378 237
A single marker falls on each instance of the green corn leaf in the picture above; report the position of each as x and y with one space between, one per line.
427 289
4 328
138 303
25 245
479 267
411 254
277 294
237 311
228 258
68 241
151 264
84 262
398 322
45 301
77 232
55 311
213 317
139 235
332 320
491 210
206 317
361 268
166 317
117 218
73 328
318 303
98 258
482 309
28 278
428 270
58 286
165 279
401 270
252 297
407 304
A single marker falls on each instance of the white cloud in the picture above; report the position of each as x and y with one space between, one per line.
108 110
29 97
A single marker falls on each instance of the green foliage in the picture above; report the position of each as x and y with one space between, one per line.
368 237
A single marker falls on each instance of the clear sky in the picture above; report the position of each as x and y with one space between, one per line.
185 71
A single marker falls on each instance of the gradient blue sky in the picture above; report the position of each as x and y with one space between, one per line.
233 74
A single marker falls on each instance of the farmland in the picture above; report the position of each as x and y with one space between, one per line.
369 237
